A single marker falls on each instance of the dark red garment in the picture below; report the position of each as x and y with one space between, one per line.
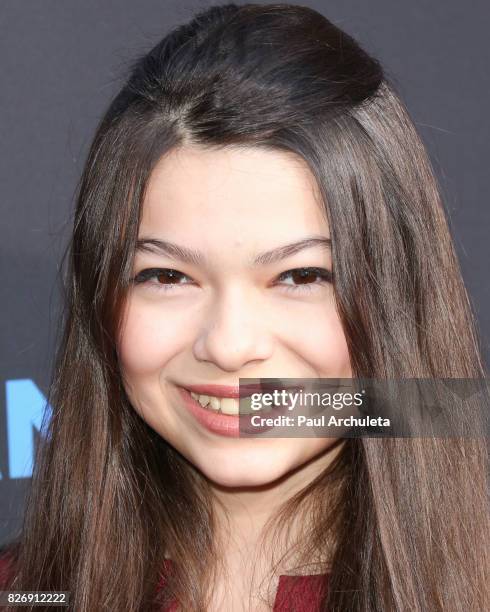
6 569
294 593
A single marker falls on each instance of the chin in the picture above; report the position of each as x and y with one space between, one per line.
255 467
243 478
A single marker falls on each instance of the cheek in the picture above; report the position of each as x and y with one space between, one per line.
148 339
320 341
146 345
331 342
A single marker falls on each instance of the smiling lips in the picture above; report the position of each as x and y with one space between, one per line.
225 405
217 407
226 399
212 420
223 399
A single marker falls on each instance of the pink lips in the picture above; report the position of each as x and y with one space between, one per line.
216 422
225 424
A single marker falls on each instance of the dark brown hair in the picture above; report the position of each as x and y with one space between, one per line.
409 517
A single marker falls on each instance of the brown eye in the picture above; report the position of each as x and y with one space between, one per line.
305 277
160 278
165 277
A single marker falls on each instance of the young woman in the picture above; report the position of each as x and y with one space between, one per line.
256 203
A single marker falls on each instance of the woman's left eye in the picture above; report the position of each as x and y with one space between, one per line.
303 278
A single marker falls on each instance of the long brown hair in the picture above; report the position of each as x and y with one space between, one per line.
409 517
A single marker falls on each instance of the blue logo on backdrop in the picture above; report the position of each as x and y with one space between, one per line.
26 407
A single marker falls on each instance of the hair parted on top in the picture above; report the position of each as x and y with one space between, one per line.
410 527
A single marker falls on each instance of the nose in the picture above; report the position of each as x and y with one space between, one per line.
234 333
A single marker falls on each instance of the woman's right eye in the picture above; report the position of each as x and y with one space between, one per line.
161 279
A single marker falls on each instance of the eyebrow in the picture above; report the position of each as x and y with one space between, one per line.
175 251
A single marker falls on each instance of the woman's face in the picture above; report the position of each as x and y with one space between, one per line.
218 316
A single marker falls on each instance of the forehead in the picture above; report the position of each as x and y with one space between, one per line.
233 189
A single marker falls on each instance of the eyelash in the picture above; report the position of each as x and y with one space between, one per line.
144 276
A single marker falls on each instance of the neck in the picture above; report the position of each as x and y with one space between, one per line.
243 513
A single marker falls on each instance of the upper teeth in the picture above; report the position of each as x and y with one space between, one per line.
227 405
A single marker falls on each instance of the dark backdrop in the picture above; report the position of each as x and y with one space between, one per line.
60 63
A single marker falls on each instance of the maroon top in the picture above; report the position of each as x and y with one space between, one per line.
294 593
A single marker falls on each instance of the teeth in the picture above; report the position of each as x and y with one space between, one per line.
203 400
214 403
227 405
